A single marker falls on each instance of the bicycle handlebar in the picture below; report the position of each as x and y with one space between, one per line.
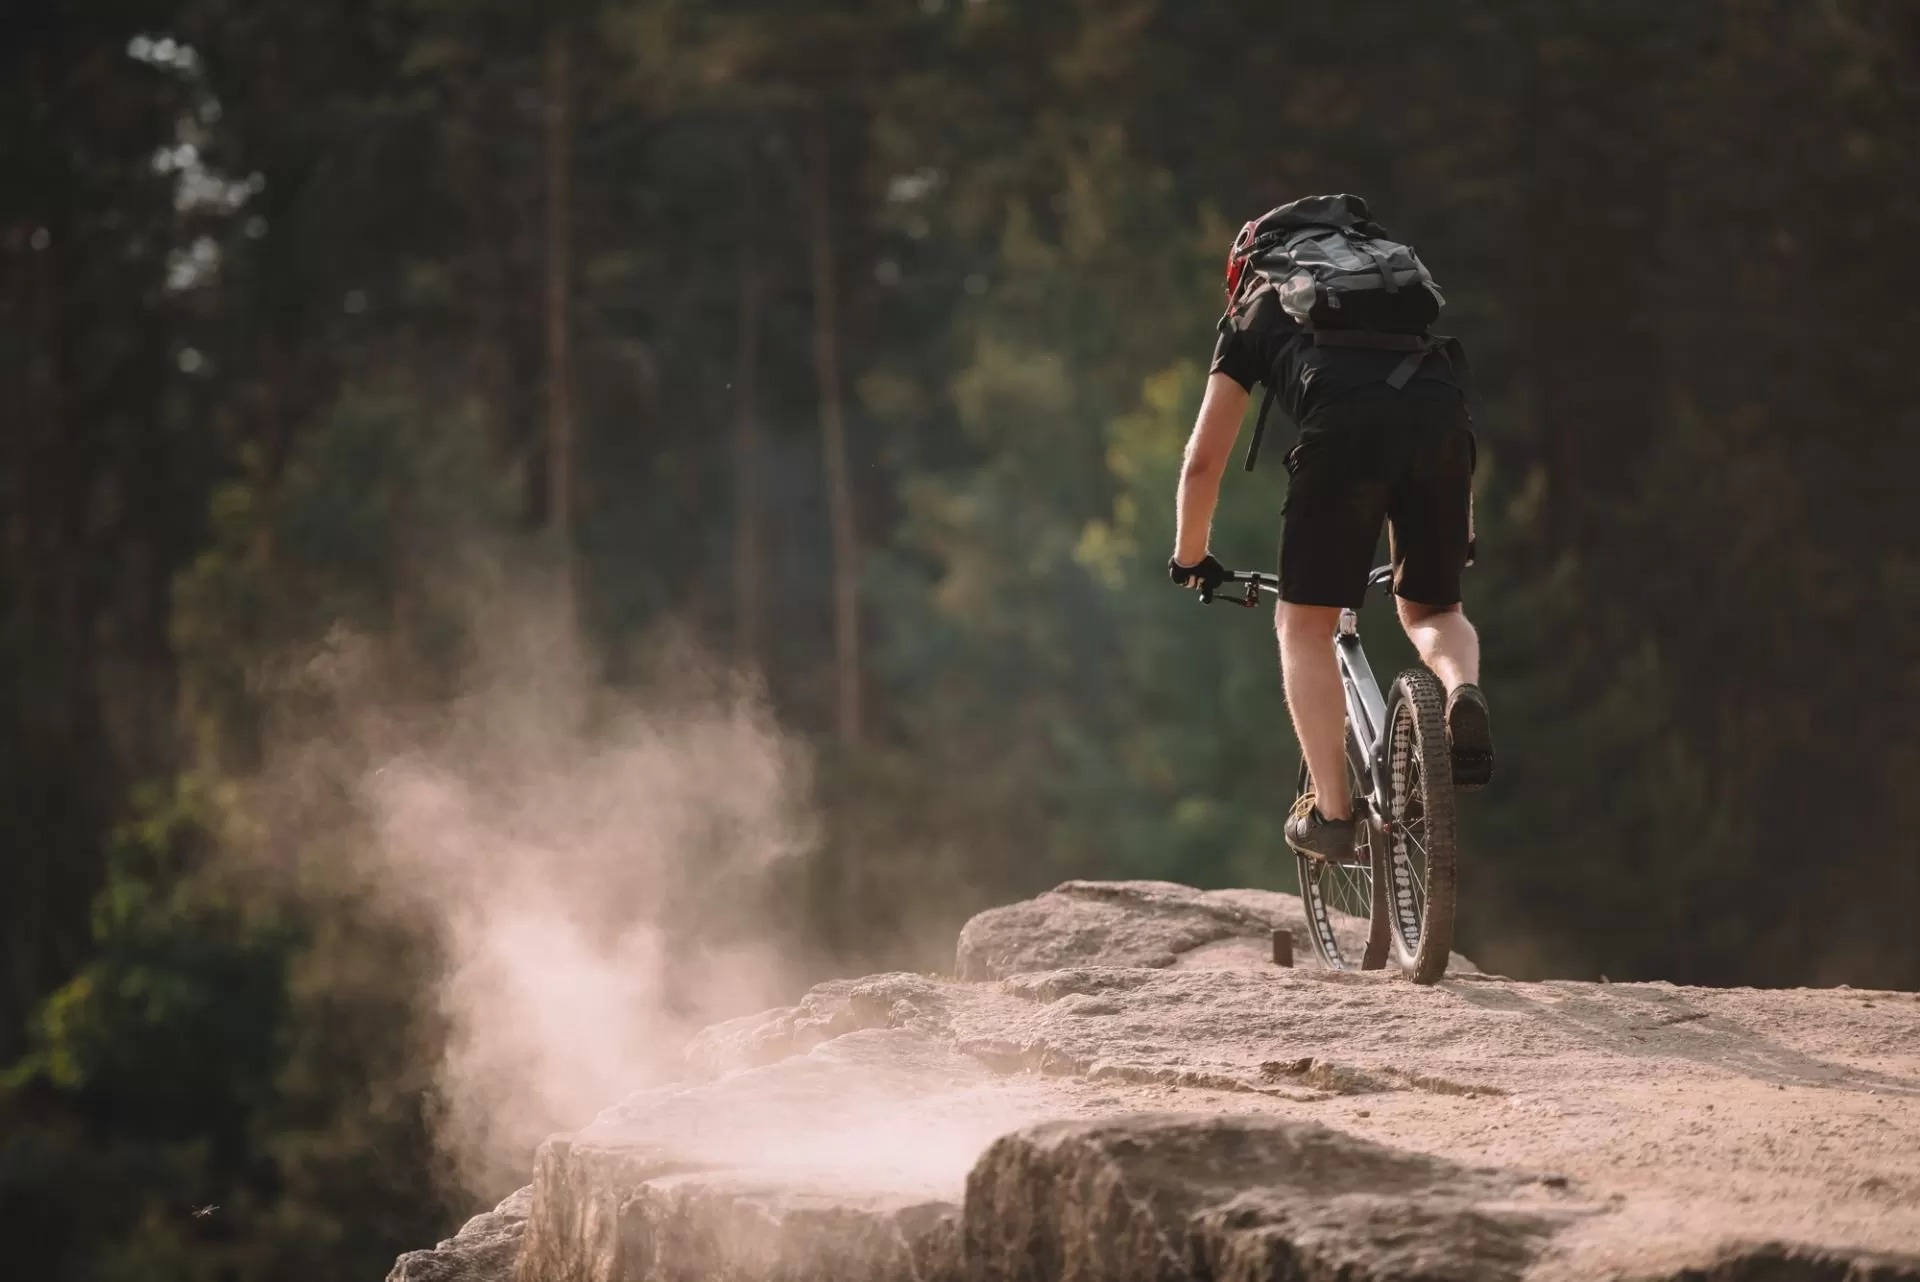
1257 581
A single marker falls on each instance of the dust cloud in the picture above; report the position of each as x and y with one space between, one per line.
595 871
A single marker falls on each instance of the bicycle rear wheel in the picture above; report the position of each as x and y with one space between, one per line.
1422 856
1346 904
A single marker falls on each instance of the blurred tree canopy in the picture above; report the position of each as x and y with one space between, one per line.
750 314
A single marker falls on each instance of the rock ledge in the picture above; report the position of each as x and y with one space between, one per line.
1125 1089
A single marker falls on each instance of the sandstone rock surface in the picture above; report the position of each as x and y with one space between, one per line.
1084 1115
1156 924
486 1248
1230 1198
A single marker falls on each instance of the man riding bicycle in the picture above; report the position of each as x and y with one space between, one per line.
1332 317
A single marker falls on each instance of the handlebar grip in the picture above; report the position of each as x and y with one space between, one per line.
1252 584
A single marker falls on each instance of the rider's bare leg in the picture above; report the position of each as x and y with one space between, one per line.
1446 642
1318 703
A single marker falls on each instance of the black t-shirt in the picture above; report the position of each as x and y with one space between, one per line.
1261 342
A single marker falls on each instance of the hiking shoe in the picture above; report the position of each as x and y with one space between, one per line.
1470 735
1314 835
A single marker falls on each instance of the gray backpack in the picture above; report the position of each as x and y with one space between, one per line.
1334 270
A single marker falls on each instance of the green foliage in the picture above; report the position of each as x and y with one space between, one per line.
380 521
1196 751
224 1048
149 1069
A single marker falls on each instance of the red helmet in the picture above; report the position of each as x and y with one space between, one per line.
1237 259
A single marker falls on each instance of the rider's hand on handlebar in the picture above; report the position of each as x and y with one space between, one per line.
1206 576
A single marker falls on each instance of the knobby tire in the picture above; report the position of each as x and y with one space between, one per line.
1421 871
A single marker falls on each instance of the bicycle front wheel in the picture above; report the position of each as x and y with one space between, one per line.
1422 858
1346 905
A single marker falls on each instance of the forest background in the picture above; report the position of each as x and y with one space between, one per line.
849 348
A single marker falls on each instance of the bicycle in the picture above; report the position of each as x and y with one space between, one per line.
1401 772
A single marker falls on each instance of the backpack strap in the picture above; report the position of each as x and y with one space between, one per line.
1403 372
1366 246
1417 347
1260 426
1456 358
1371 338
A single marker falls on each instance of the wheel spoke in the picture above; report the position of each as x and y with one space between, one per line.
1339 899
1416 872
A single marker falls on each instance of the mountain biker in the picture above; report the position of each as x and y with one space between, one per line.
1367 451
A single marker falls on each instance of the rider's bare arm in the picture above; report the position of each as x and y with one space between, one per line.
1208 451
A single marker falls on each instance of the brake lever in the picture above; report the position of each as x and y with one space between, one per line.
1249 599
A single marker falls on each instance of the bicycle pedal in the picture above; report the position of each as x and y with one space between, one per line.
1358 859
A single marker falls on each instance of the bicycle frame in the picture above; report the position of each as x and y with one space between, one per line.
1366 711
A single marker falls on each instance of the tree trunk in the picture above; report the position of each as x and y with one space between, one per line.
749 504
833 434
560 465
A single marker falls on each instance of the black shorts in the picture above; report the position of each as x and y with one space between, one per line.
1408 462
